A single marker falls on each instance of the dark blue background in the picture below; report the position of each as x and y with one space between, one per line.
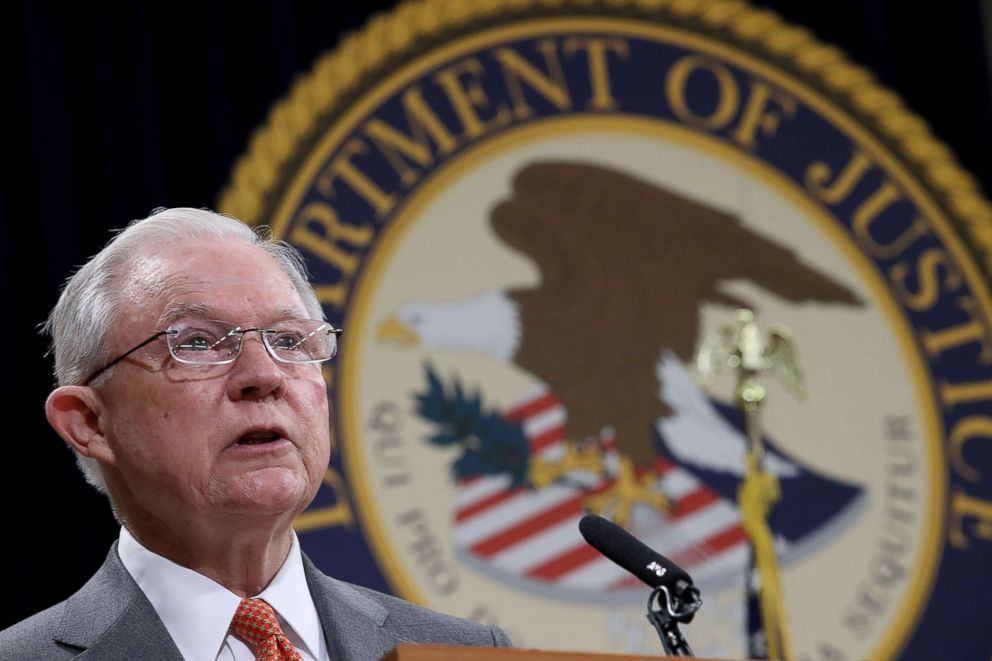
114 109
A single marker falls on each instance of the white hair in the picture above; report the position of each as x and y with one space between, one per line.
90 303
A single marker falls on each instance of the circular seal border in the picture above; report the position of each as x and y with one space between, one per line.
340 76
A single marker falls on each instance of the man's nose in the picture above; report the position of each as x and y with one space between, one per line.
255 375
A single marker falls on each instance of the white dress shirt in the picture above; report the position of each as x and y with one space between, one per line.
197 611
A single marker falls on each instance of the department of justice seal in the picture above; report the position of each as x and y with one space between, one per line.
528 215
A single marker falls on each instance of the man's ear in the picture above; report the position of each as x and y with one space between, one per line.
77 414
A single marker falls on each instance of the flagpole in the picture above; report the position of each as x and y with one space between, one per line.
756 495
743 348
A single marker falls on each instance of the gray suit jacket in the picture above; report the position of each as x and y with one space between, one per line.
110 618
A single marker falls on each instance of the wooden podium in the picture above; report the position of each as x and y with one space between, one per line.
455 653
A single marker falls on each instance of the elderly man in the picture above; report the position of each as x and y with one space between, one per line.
188 358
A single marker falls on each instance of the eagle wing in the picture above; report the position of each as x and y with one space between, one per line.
625 266
783 360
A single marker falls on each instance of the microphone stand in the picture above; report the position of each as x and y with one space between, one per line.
666 610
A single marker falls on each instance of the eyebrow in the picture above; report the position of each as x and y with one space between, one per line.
184 310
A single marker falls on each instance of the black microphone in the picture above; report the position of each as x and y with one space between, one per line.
681 598
627 551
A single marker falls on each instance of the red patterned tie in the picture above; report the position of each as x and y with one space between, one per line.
255 622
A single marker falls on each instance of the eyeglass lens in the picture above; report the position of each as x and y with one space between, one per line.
208 341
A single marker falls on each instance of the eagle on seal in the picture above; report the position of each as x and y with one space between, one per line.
625 267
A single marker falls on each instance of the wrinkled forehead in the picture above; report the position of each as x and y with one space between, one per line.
217 279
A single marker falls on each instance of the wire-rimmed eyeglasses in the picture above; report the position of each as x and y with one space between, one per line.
214 342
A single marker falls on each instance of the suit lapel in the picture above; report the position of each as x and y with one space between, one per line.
352 623
110 618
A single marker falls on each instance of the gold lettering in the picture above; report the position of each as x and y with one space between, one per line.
972 330
331 294
338 514
819 173
516 69
925 297
675 88
972 427
341 167
759 114
460 83
870 209
963 505
962 393
325 244
599 71
424 125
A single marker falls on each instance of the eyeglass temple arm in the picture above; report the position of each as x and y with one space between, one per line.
125 355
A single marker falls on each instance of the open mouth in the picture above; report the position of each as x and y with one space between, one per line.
258 438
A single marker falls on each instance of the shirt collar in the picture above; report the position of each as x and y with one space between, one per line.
289 594
197 611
